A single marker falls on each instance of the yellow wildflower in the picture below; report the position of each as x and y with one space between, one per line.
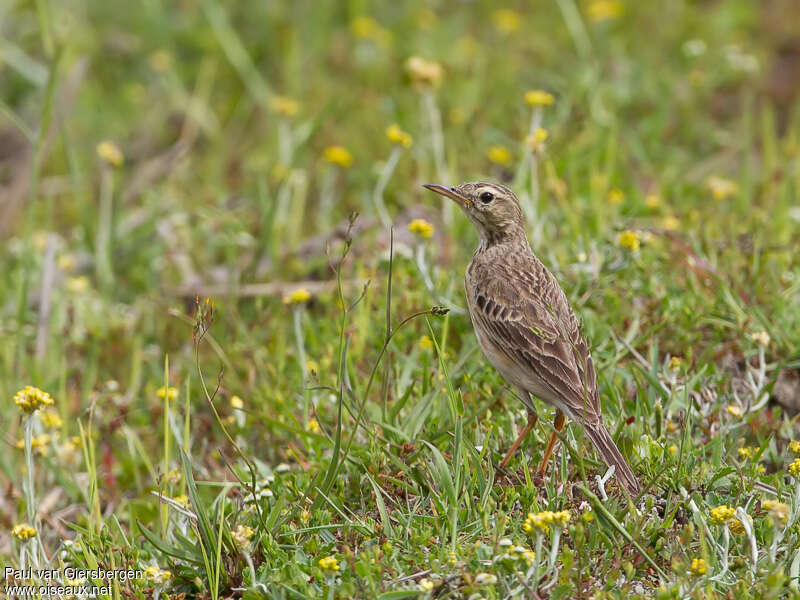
737 527
629 239
305 515
329 564
181 499
398 136
425 342
313 426
339 155
425 585
670 223
170 393
110 153
365 27
39 444
23 532
699 566
652 201
721 514
312 366
538 98
543 519
602 10
747 452
721 188
157 575
237 403
777 510
506 20
283 105
77 285
298 296
536 141
499 155
421 228
30 398
761 338
735 410
242 536
51 419
424 73
794 446
615 196
794 468
675 363
66 262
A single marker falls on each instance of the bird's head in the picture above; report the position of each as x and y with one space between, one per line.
492 208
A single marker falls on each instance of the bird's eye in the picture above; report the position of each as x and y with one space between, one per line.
486 197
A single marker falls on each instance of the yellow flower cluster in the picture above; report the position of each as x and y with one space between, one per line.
170 393
699 566
157 575
329 564
425 342
242 536
23 532
110 153
746 452
506 20
339 155
675 363
615 196
424 73
298 296
777 510
538 98
629 239
369 29
544 519
313 426
30 399
398 136
499 155
51 419
721 515
421 228
736 526
794 468
536 141
735 410
794 446
39 444
283 105
721 188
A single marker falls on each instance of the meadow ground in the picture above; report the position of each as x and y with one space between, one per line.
316 428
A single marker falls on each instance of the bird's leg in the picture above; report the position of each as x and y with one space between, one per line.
558 423
532 418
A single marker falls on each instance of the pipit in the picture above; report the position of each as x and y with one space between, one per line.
525 325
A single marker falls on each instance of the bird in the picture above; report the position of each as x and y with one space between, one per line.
526 326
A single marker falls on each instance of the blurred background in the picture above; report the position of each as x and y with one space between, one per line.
154 151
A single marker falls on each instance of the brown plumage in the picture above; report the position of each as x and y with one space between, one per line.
525 325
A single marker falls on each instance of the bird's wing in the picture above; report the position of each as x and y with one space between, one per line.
527 316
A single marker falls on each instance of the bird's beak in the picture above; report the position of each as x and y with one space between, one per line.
450 192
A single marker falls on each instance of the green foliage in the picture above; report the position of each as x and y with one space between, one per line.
334 429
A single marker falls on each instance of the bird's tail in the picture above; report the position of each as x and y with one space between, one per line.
606 447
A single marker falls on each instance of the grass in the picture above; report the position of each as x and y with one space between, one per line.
341 441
